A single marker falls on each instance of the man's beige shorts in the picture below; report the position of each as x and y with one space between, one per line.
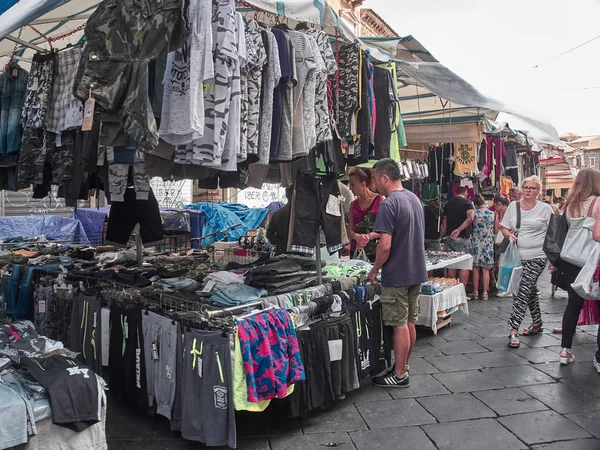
400 305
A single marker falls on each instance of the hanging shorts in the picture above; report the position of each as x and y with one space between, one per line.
208 414
160 343
124 216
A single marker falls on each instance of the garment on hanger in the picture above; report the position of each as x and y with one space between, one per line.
188 68
39 88
13 85
348 89
465 158
280 89
385 103
136 36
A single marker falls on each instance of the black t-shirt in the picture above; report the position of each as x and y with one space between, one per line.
431 222
455 213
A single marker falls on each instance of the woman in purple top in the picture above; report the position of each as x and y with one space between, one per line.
363 212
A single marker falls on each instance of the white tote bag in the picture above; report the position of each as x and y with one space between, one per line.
584 284
579 243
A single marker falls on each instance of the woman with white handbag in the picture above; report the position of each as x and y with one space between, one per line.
582 209
529 236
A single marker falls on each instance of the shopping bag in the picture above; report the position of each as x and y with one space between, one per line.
579 244
508 261
586 285
555 237
515 280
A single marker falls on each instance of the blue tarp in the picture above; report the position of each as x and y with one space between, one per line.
92 220
6 5
54 228
223 216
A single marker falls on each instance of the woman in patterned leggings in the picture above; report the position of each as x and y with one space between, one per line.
535 216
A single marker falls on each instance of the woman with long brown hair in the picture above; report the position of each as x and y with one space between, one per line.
582 202
362 212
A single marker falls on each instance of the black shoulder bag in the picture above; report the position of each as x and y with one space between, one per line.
506 241
365 226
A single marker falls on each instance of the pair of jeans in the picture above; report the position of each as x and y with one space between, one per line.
236 294
122 37
13 86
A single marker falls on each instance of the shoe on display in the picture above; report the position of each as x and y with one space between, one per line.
566 357
597 365
392 380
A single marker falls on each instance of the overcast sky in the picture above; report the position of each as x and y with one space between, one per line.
496 44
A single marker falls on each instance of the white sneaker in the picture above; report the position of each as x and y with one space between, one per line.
566 357
503 294
597 365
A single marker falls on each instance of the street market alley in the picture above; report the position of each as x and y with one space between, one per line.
468 391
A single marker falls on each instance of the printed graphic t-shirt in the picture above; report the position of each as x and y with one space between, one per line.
465 158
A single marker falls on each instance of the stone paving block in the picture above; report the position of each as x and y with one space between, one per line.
589 421
394 413
341 417
449 334
491 332
585 338
540 340
588 328
472 435
126 423
419 366
454 407
268 423
469 381
312 441
537 355
164 445
517 376
562 398
405 438
367 392
458 347
498 344
117 445
588 385
420 386
579 444
585 352
541 427
498 359
424 350
510 401
558 371
454 363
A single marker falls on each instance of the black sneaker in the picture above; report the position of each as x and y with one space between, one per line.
391 380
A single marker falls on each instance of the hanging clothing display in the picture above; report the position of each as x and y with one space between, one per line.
465 158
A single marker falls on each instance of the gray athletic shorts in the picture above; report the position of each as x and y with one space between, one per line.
160 344
207 411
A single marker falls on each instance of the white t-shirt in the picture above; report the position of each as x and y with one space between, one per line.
534 225
187 70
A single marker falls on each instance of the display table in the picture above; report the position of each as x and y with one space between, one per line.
463 262
430 305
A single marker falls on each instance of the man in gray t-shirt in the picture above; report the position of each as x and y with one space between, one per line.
400 223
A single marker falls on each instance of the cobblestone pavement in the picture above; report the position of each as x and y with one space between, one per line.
468 391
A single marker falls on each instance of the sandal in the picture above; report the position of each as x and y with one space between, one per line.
485 296
557 330
475 296
566 357
513 341
533 330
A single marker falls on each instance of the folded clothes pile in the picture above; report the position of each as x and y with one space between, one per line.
236 294
283 275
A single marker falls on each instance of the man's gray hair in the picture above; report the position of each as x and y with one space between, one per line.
388 167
